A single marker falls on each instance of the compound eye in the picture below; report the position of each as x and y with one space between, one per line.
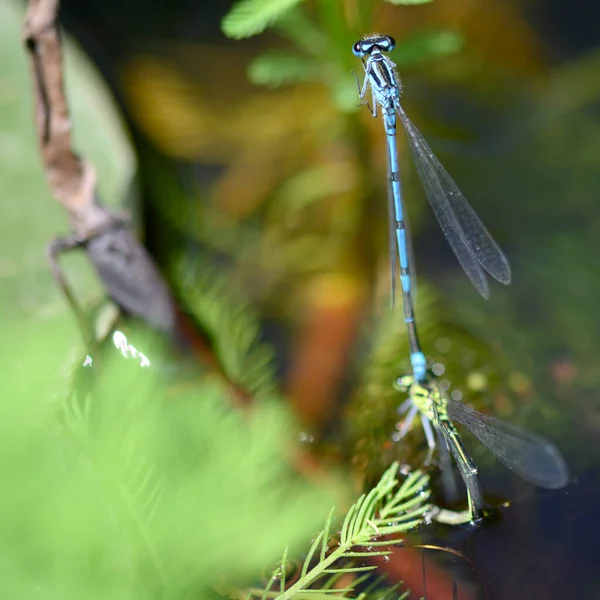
391 43
358 50
403 383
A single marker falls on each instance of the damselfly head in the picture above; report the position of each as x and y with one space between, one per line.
403 383
383 43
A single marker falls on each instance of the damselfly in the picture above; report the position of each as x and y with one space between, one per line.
474 247
532 457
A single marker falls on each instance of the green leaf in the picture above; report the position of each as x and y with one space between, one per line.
249 17
311 552
325 532
283 571
427 46
351 569
279 68
348 525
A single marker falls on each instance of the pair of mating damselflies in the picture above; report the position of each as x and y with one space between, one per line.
530 456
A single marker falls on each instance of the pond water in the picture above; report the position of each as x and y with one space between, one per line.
543 545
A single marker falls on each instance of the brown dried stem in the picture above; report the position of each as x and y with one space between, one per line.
72 180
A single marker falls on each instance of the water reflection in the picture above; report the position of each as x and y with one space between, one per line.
542 546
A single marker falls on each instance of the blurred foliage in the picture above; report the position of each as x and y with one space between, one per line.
129 487
249 17
255 157
233 330
118 481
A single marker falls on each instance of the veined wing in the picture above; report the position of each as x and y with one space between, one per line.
466 234
530 456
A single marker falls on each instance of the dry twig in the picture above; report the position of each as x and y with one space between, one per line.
124 266
122 263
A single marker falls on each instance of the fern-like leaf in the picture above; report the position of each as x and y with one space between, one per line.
231 325
388 509
249 17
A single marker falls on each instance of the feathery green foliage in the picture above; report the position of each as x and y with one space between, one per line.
129 487
390 508
322 37
249 17
232 327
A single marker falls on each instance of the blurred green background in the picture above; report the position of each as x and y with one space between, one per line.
251 157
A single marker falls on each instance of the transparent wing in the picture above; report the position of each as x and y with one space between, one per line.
449 487
411 255
466 234
530 456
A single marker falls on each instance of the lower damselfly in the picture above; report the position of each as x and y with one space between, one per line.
530 456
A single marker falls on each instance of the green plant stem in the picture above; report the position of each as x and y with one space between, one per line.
315 573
